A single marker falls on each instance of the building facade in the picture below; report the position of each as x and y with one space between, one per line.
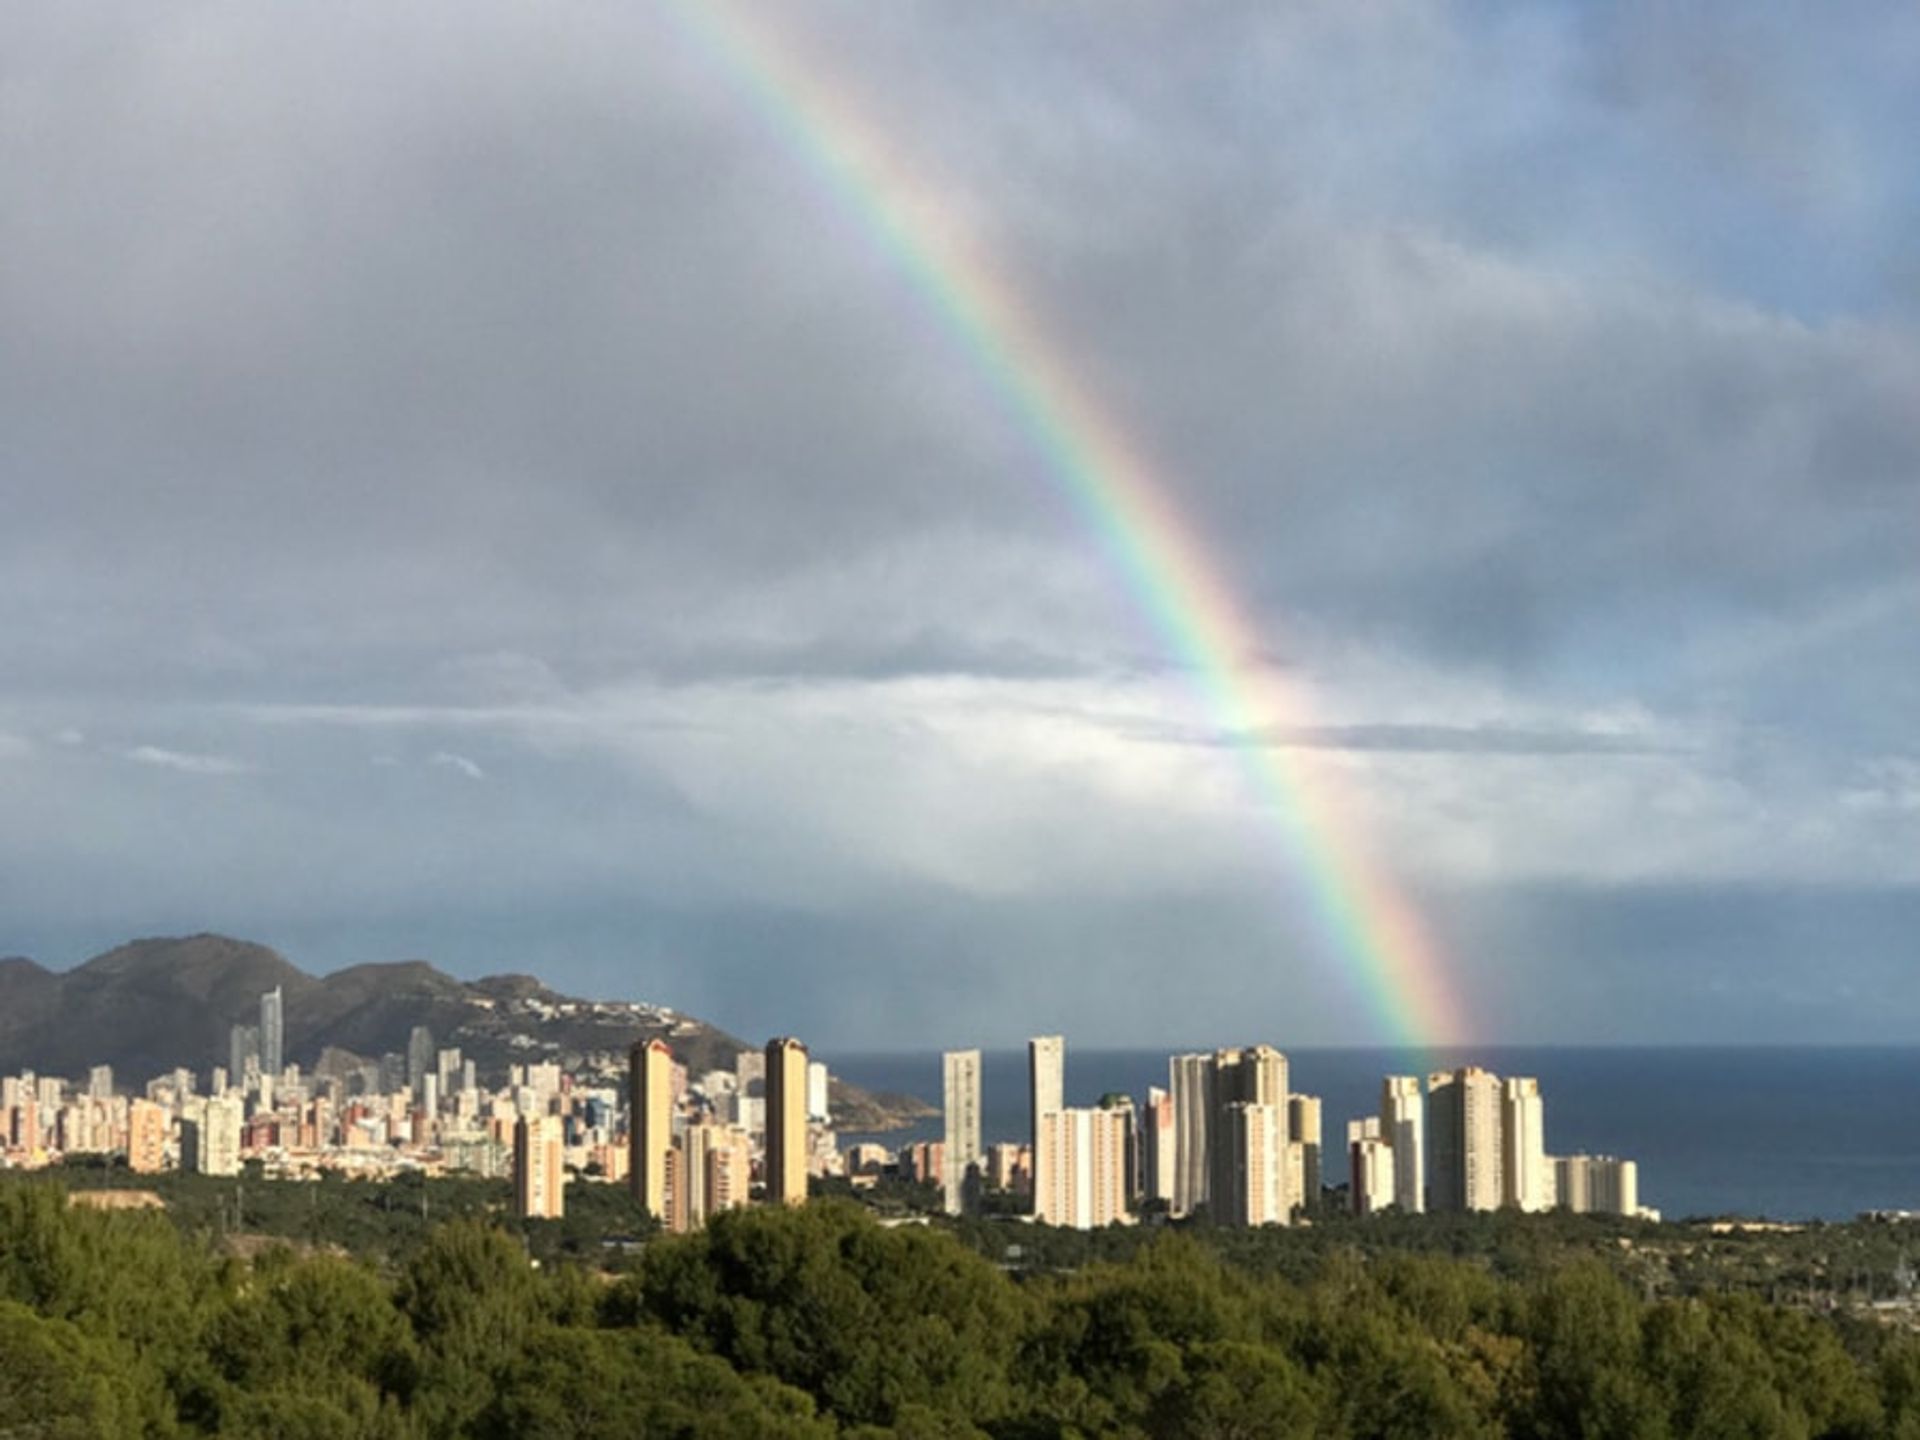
960 1089
786 1176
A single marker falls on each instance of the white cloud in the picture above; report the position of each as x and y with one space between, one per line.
448 760
187 762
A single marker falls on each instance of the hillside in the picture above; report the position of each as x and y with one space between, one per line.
153 1005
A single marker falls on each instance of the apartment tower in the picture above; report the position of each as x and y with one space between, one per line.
786 1122
960 1090
539 1178
649 1124
1463 1140
1046 1090
1526 1174
1403 1125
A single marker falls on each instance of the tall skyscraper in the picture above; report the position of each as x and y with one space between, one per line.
1255 1075
1046 1093
1120 1103
1252 1188
1087 1185
819 1093
1526 1175
1190 1077
649 1124
1463 1140
1303 1125
539 1178
1403 1125
961 1091
420 1055
786 1122
243 1046
273 1057
100 1082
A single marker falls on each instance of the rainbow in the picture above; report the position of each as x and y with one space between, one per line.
1395 963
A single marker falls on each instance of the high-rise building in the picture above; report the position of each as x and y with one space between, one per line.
1463 1140
539 1178
1190 1077
1596 1184
1255 1075
420 1053
100 1083
649 1124
1371 1161
210 1139
1526 1175
1087 1185
1252 1183
146 1137
1403 1125
718 1165
243 1054
1303 1125
1157 1146
1121 1103
819 1093
786 1122
273 1056
961 1092
1046 1093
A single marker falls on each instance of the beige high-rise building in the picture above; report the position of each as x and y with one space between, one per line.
1087 1185
1304 1128
1596 1184
1255 1075
718 1163
1526 1174
1254 1189
1371 1161
539 1174
1046 1093
786 1122
649 1124
1190 1078
1403 1125
1463 1140
960 1090
146 1137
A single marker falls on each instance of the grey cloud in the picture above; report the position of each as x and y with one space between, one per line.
504 387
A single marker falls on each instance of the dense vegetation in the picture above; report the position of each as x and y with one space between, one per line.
822 1322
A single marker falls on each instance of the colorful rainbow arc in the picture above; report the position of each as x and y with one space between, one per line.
1164 565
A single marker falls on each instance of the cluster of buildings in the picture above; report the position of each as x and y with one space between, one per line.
426 1110
1474 1141
1230 1137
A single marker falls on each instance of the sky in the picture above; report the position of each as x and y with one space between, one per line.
470 491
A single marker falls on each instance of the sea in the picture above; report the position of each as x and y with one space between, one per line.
1782 1133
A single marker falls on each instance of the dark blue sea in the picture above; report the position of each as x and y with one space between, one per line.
1781 1133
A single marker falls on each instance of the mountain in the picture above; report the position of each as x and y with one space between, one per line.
153 1005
